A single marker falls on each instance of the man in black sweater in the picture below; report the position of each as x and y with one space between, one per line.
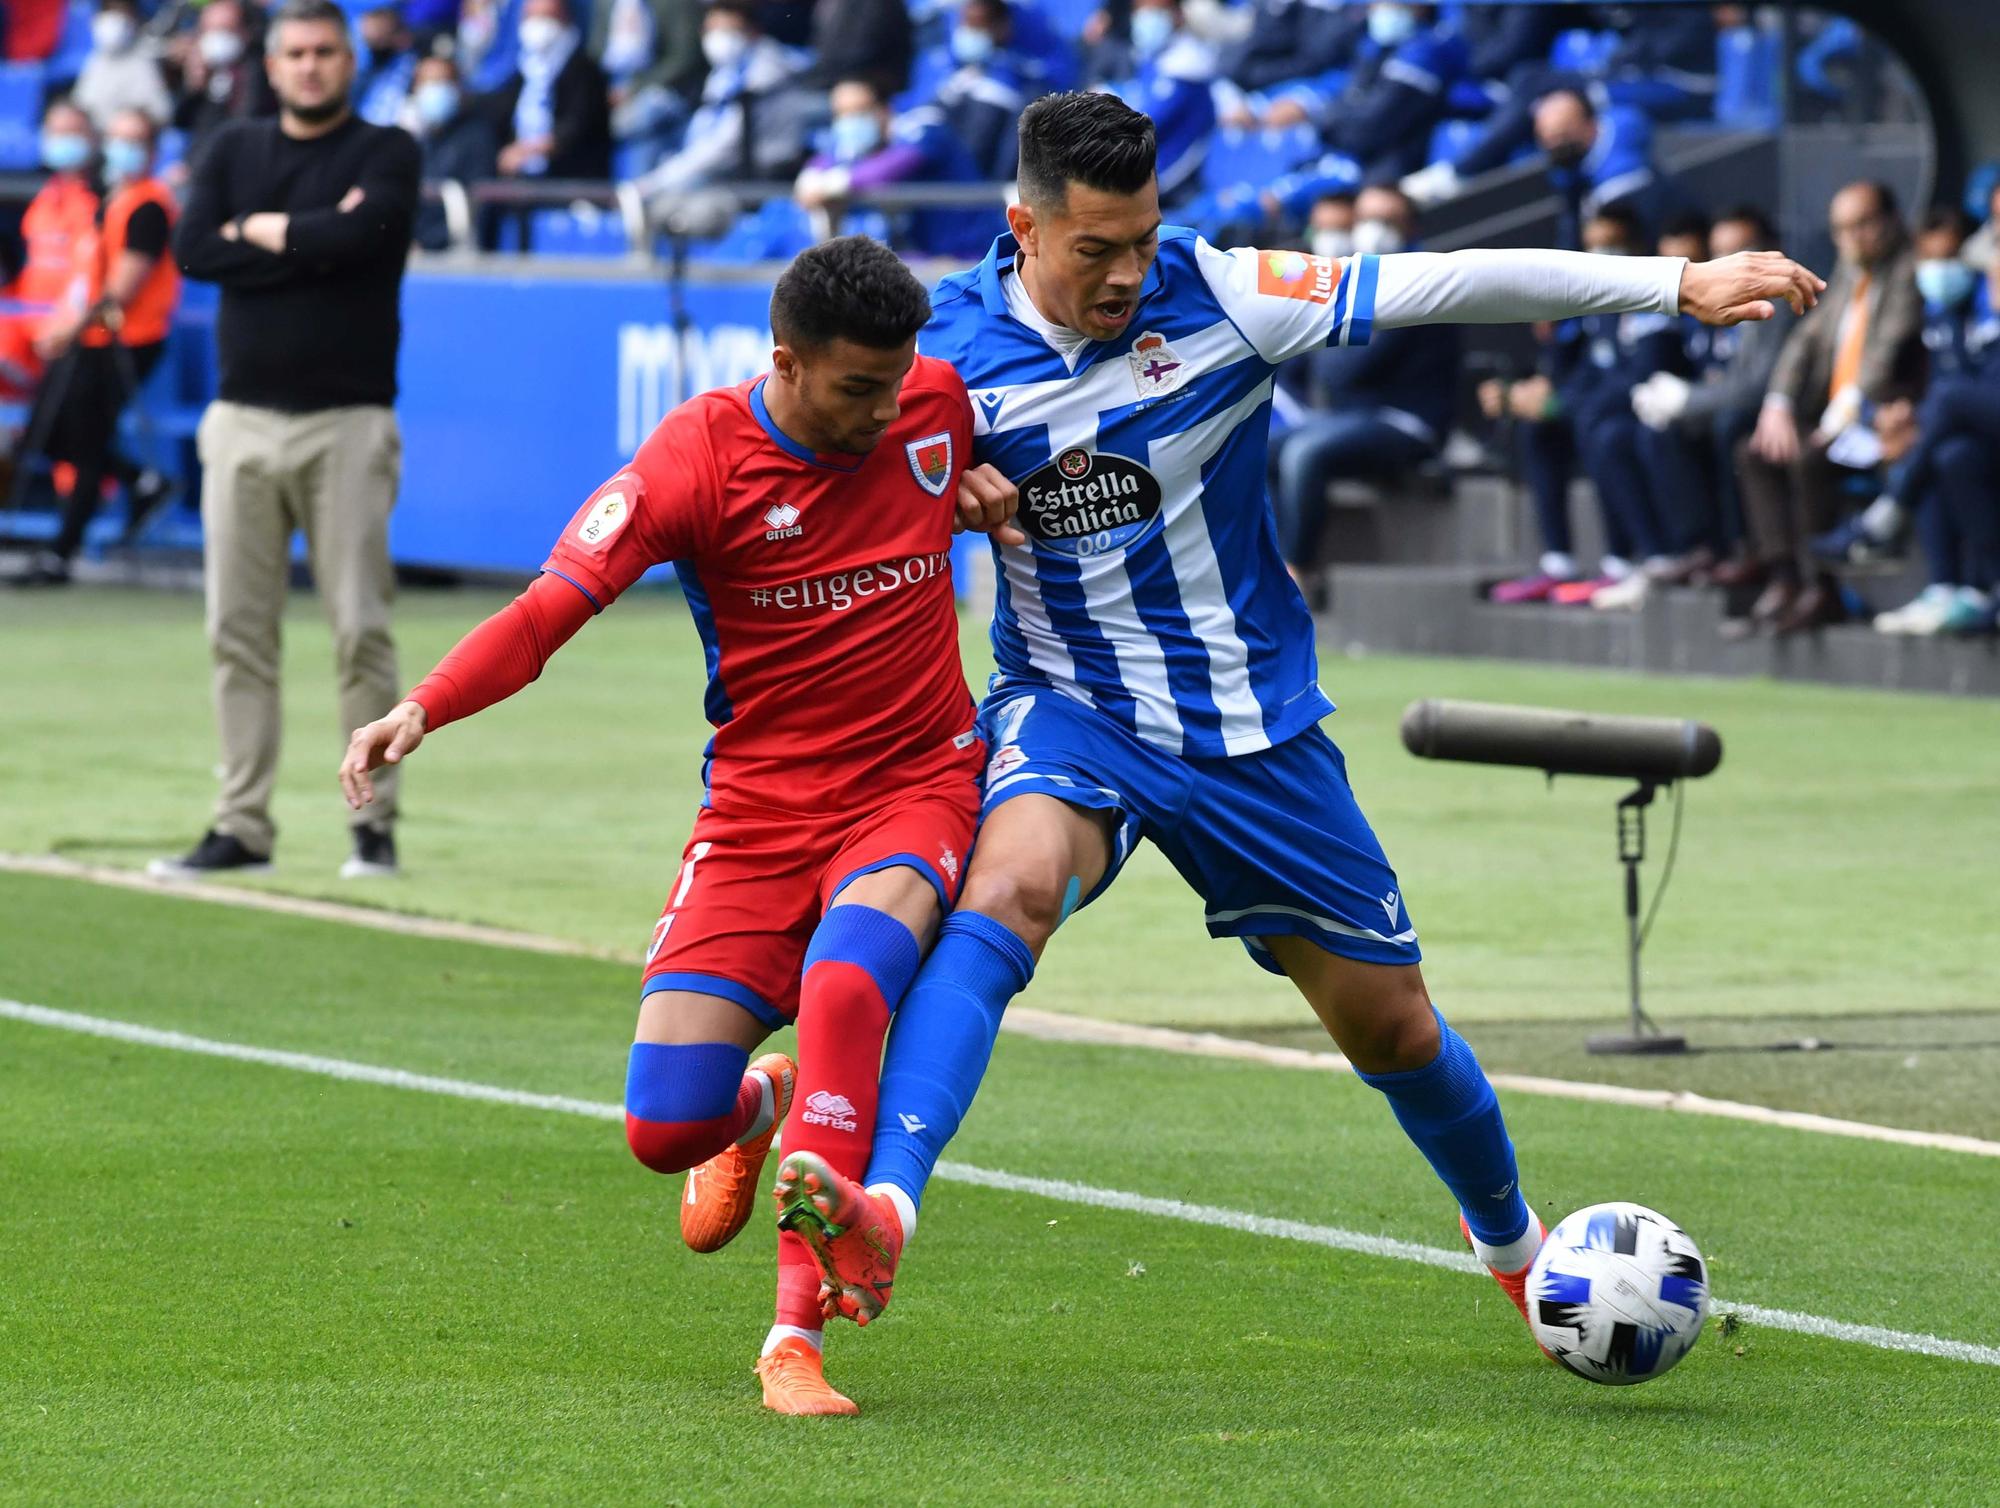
1387 405
305 222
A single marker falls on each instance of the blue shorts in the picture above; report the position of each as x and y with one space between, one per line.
1272 842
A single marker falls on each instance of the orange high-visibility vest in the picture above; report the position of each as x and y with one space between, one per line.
151 311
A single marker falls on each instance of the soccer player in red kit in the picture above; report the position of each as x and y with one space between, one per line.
809 515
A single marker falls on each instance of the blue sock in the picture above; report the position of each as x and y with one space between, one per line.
684 1102
940 1044
1447 1108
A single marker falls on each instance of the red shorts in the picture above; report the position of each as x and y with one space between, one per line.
753 887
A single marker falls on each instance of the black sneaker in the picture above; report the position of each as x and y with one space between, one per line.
374 855
216 853
149 495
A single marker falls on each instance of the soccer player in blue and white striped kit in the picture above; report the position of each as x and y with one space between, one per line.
1157 674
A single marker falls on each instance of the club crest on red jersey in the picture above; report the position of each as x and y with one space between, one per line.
930 462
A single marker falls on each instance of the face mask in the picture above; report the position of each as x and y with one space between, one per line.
1391 25
64 151
855 136
1333 244
436 101
1568 154
111 31
969 46
540 34
1377 238
220 48
126 160
723 46
1152 29
1945 284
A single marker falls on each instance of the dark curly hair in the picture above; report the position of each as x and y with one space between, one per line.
1096 140
850 288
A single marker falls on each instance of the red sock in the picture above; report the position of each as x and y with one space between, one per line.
842 1021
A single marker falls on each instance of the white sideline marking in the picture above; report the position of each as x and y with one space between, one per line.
1023 1020
1058 1189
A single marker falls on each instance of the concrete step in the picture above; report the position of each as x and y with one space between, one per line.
1388 609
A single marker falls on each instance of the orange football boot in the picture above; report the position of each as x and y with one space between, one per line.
856 1237
722 1192
1514 1284
795 1381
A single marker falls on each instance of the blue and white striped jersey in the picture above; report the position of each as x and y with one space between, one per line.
1152 587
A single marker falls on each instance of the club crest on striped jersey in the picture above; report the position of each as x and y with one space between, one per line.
604 518
1293 274
930 462
1156 370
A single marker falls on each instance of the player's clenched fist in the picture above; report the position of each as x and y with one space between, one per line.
1747 286
385 741
986 502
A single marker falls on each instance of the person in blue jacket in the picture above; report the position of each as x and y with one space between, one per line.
1172 73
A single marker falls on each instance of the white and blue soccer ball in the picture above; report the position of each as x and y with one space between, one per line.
1618 1293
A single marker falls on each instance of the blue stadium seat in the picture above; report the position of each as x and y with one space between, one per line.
172 148
1237 156
1979 186
1747 68
1068 17
1452 138
20 114
1582 51
74 46
579 231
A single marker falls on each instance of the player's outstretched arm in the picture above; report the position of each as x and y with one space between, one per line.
986 503
387 740
1510 287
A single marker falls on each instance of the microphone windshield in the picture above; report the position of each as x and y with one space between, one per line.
1658 749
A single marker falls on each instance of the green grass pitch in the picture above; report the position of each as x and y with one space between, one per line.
227 1282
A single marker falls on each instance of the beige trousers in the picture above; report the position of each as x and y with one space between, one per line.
265 474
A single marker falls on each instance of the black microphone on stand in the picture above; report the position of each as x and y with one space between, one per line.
1653 751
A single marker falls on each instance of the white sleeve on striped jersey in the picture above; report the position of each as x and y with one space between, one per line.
1508 287
1286 302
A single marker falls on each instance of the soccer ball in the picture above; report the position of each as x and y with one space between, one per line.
1617 1293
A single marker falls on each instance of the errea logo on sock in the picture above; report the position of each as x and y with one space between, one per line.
824 1109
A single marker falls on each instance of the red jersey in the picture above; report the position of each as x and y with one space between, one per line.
820 585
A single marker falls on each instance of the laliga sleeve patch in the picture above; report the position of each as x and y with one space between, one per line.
602 520
1293 274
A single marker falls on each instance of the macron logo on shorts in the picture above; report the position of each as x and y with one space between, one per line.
824 1109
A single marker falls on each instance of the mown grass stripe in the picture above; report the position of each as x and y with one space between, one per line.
1061 1190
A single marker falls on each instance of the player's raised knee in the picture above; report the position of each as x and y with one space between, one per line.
684 1102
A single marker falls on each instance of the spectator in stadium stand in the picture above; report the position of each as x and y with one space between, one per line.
979 82
222 73
1598 160
751 124
1581 378
430 21
1380 409
56 233
1623 456
1984 244
650 50
305 223
1694 425
863 39
1659 62
1854 349
1289 42
1172 71
1330 225
458 139
122 71
387 64
487 45
869 149
1943 453
112 342
554 114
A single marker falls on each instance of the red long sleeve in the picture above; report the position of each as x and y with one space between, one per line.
504 653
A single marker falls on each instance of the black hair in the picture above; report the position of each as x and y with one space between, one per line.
307 10
1621 215
1344 196
1096 140
1689 223
850 288
1947 217
1755 218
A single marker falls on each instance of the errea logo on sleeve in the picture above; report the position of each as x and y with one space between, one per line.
605 518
